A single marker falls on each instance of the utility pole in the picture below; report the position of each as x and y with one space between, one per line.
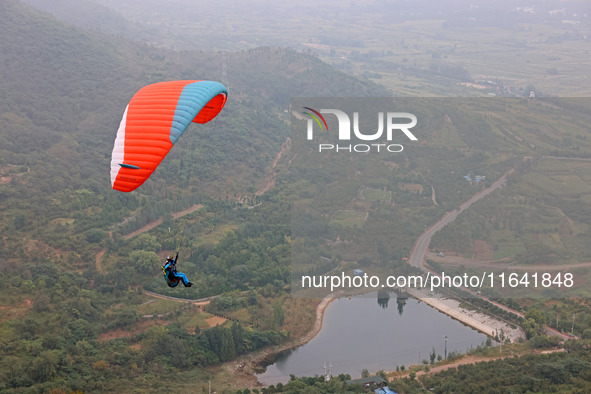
573 326
445 339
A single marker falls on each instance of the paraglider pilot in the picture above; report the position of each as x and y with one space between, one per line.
173 277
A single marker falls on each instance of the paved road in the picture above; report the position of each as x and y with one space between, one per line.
550 331
421 247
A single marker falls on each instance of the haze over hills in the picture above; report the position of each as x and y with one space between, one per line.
65 263
72 82
64 90
90 15
416 48
72 275
179 17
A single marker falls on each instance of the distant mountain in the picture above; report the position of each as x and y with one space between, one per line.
63 91
90 15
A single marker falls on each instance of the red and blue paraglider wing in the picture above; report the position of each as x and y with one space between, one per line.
154 119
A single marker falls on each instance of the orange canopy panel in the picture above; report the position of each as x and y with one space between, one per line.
154 119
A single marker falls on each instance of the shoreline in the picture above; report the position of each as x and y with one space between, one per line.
487 324
256 361
320 309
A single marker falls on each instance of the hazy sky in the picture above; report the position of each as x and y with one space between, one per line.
522 41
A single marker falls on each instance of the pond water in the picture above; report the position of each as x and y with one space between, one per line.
359 333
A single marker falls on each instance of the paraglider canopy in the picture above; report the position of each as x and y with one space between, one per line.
153 121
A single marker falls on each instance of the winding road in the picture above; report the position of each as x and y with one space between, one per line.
421 247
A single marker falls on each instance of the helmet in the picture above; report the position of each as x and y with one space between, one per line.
168 258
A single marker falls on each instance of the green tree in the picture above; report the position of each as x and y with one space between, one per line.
252 298
44 366
20 221
228 348
13 371
144 262
535 315
95 235
146 242
530 327
278 314
238 337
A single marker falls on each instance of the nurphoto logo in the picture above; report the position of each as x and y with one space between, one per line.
396 124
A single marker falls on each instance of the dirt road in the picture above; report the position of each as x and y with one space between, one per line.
158 222
500 264
463 361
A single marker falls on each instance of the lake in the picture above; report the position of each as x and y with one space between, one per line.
358 333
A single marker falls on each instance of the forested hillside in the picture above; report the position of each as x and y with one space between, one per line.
64 91
76 259
69 278
90 15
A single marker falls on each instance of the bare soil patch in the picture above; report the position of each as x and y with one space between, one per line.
483 250
414 187
136 329
9 312
463 361
215 321
271 176
158 222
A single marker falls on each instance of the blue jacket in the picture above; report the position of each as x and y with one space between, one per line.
170 272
